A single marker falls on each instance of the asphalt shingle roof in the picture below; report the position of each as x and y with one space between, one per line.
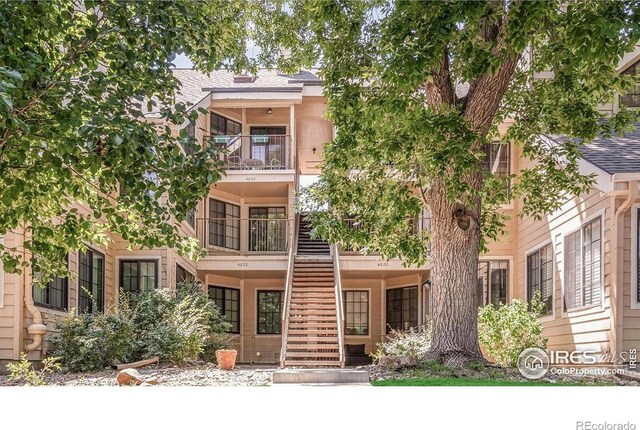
195 85
615 154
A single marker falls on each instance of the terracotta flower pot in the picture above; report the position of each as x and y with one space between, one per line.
226 358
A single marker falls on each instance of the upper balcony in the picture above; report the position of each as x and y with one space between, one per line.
263 152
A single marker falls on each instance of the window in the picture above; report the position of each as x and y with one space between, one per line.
190 217
221 126
224 224
493 282
540 277
54 294
402 308
191 132
90 281
138 275
183 275
356 311
632 98
498 161
269 312
228 301
582 266
269 145
267 229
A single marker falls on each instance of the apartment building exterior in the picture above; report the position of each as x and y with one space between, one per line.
293 299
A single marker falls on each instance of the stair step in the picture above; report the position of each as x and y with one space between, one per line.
309 306
326 311
310 286
312 363
314 301
312 354
313 339
313 277
304 325
296 332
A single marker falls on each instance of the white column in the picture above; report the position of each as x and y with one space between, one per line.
292 133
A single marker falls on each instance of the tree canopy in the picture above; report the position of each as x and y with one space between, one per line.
77 79
417 89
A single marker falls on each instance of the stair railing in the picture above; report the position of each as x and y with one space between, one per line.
335 250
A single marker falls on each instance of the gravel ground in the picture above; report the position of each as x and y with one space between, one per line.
190 375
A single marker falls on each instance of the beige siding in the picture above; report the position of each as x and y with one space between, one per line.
631 311
576 329
10 312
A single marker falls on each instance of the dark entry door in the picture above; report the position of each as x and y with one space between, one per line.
268 144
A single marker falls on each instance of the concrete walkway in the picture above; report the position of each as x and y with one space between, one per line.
324 376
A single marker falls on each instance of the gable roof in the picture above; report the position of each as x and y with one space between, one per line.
615 154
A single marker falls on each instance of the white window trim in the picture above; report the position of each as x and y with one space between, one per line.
578 310
1 277
509 258
635 300
538 247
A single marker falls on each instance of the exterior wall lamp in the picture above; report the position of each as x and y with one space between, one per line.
269 111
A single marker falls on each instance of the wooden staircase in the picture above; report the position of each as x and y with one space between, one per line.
312 331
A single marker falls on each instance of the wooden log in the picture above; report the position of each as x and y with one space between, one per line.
136 364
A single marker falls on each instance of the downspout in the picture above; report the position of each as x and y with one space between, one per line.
37 328
617 259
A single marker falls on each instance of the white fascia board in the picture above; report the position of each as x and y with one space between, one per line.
293 96
604 181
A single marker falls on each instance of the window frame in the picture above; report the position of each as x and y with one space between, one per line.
226 219
186 271
66 294
156 262
538 248
589 220
490 155
497 259
227 120
368 311
635 90
91 251
224 299
279 325
386 304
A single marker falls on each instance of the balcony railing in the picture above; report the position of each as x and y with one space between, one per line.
244 235
256 152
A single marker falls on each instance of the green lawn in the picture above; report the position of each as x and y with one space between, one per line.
466 382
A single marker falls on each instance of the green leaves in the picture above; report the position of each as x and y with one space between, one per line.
72 131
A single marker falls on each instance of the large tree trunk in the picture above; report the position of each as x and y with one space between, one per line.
455 243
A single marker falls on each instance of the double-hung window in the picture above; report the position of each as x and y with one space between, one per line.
582 266
356 306
228 301
402 308
540 277
138 275
224 224
54 294
498 162
493 282
269 312
90 281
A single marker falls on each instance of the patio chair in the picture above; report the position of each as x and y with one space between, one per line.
253 163
275 163
234 162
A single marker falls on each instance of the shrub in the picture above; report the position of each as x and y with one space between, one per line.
178 326
504 332
175 326
413 343
22 370
94 341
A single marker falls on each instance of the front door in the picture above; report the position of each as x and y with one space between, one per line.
268 144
